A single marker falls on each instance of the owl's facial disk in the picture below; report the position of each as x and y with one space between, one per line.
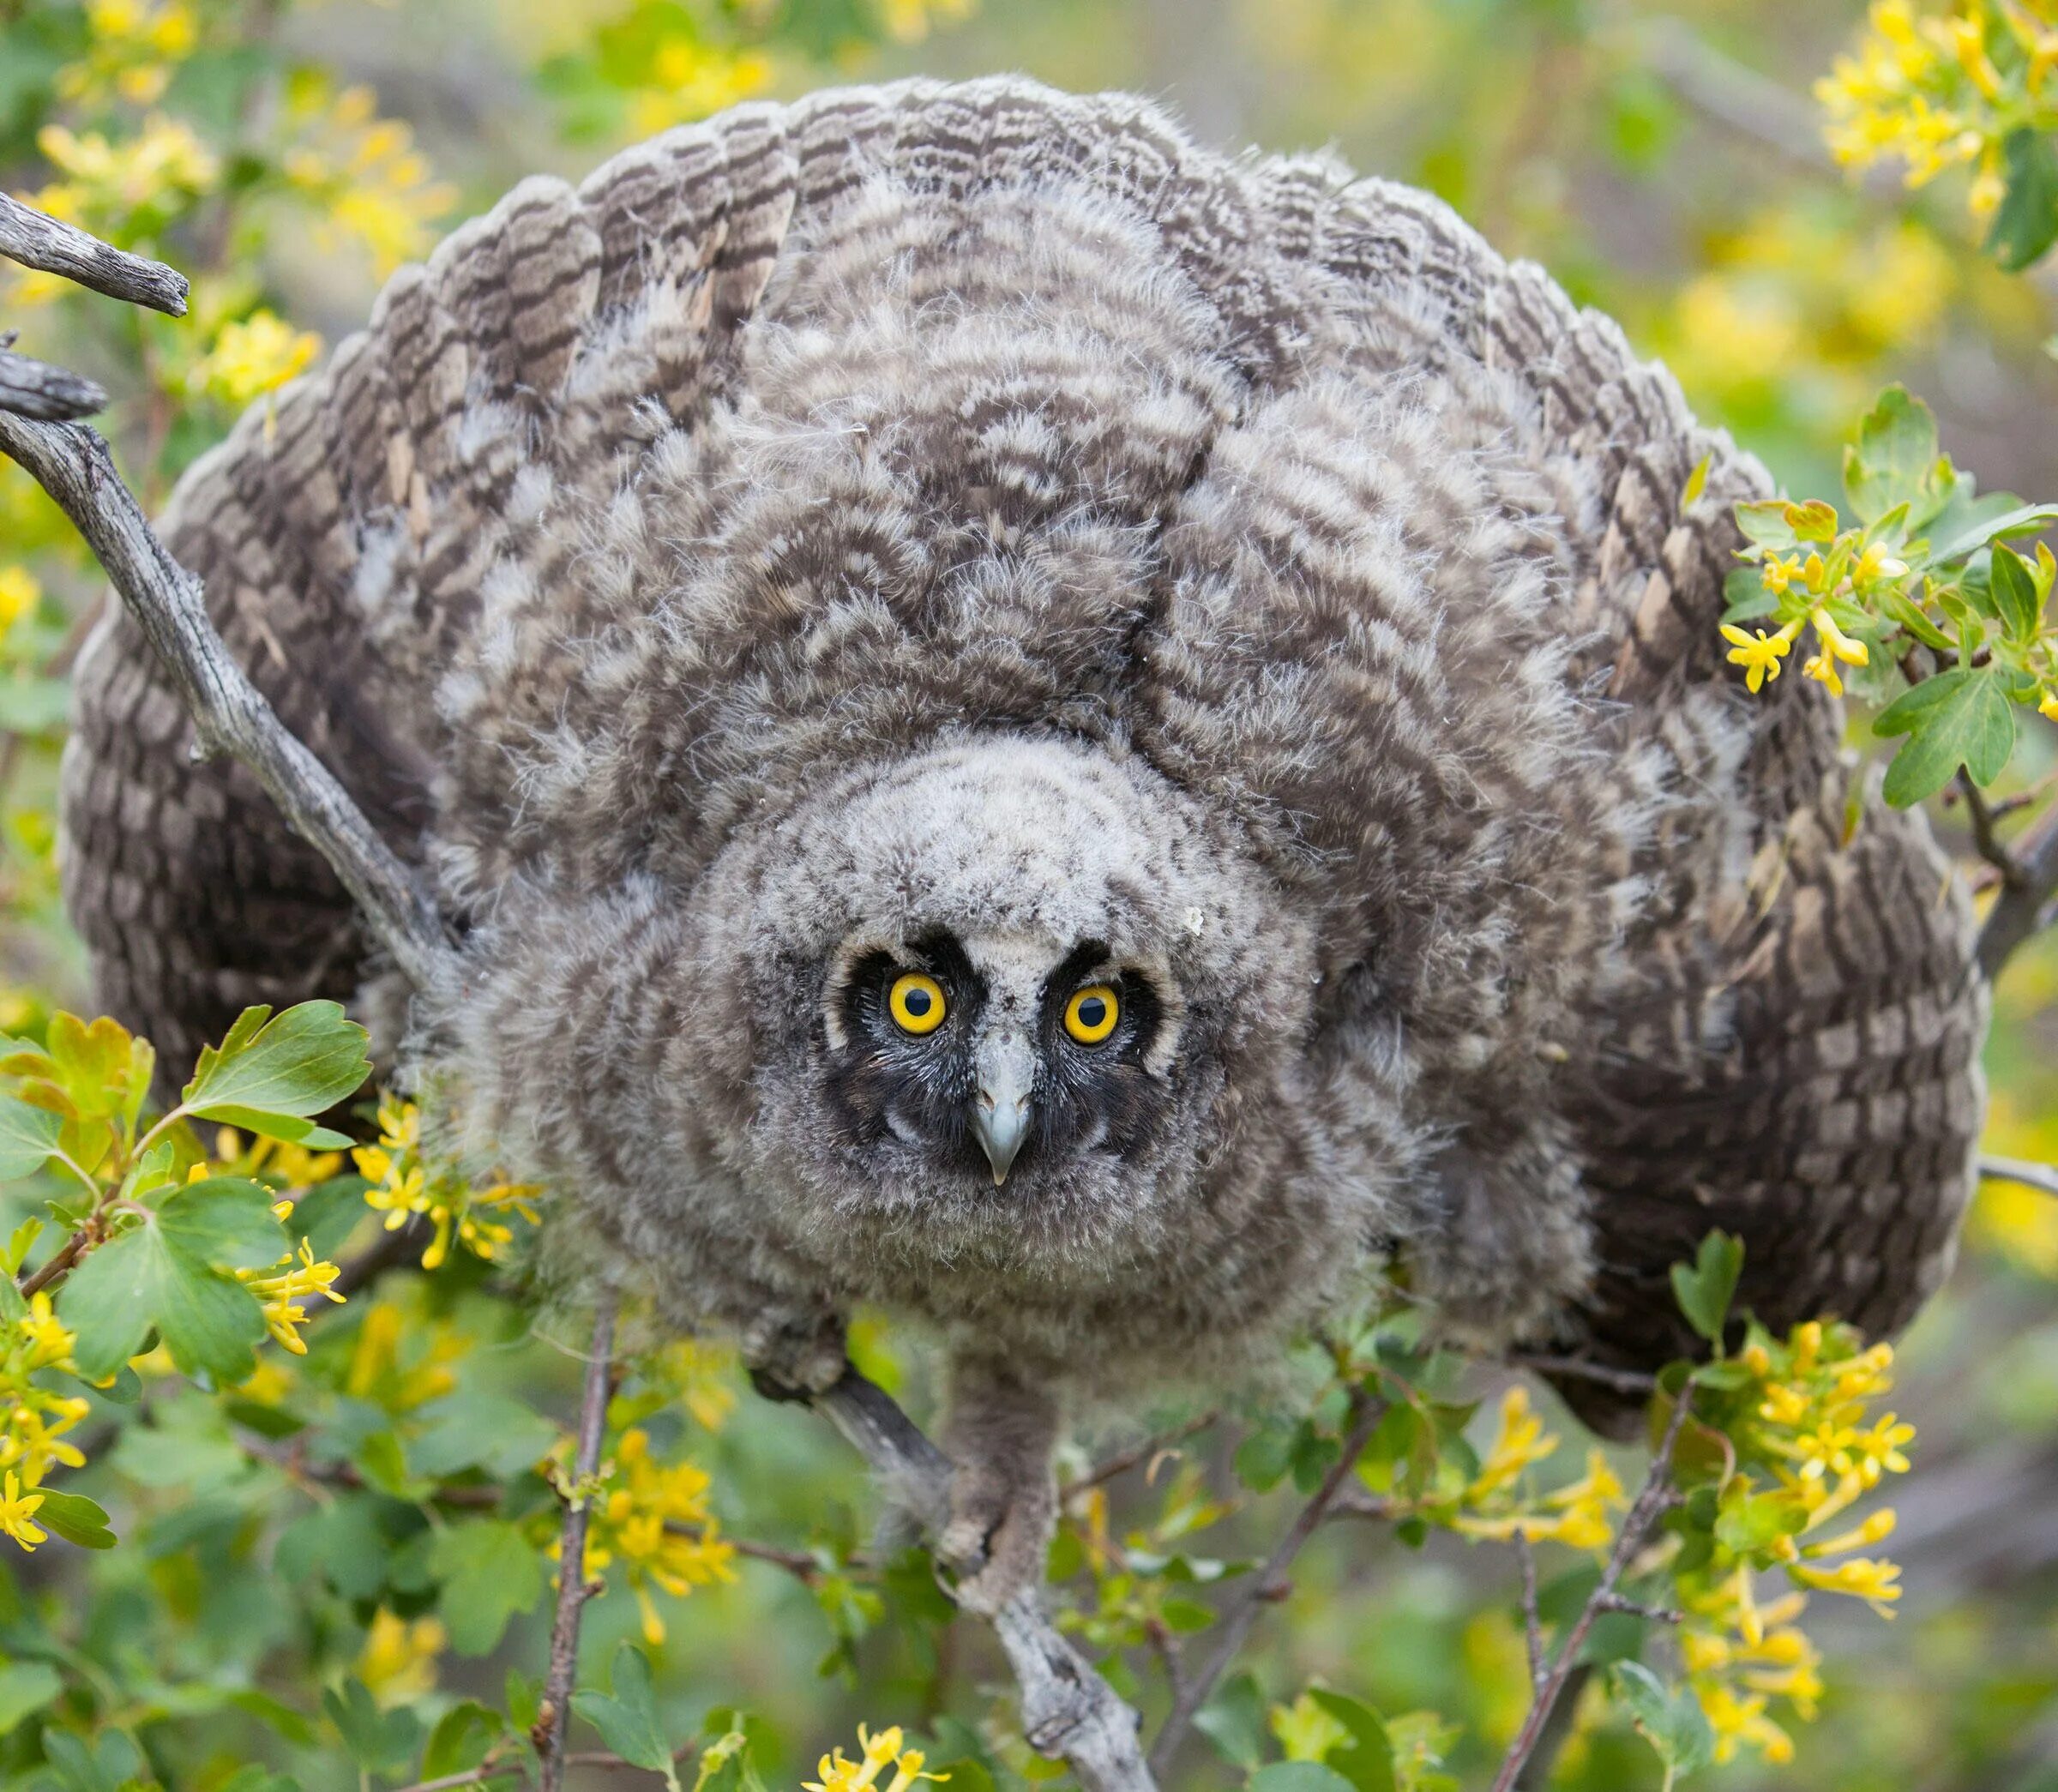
992 1049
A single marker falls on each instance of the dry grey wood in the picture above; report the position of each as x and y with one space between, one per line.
71 463
49 394
1068 1712
555 1718
35 241
2043 1177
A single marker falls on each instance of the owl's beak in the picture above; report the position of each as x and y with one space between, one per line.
999 1110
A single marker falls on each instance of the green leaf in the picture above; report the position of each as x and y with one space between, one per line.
1745 598
490 1572
378 1741
27 1137
209 1322
1672 1721
1984 525
268 1076
1893 459
224 1222
1706 1288
2014 592
1764 524
460 1738
1297 1777
2026 223
1910 617
1960 717
76 1518
495 1431
627 1721
1366 1761
25 1688
1263 1457
1234 1721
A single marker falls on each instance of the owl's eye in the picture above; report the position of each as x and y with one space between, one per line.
1091 1015
916 1003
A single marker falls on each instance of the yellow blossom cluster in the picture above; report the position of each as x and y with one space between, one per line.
401 1361
1496 1503
399 1659
35 1417
654 1517
250 356
1809 569
20 593
688 80
1944 89
362 173
404 1183
877 1752
1804 1447
133 49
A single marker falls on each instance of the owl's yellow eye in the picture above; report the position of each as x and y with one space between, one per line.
916 1003
1091 1015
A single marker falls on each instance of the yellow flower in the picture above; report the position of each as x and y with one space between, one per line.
1757 653
1520 1442
20 593
2048 706
253 356
689 80
654 1518
398 1661
402 1185
1862 1577
839 1774
365 173
114 181
16 1509
132 50
280 1291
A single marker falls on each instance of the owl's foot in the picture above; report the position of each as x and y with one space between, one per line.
1003 1429
998 1535
794 1353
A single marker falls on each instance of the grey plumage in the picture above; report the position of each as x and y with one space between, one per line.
973 520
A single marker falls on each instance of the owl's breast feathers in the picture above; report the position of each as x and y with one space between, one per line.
814 435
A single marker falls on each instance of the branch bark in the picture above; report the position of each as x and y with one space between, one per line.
35 241
49 394
555 1718
1068 1712
1366 1411
2043 1177
230 714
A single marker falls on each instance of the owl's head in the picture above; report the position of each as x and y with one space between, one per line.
1008 989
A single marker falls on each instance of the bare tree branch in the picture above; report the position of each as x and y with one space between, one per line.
2025 908
1655 1496
2043 1177
35 241
1366 1411
1577 1368
1148 1450
555 1717
1532 1612
49 394
1068 1711
71 463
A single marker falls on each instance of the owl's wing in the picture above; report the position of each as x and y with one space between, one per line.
343 534
1786 1042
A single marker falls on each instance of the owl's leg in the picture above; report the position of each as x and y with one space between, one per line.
1000 1433
1504 1242
793 1348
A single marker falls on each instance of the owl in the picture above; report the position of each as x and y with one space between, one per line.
1096 744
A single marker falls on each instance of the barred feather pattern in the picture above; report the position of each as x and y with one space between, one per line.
802 456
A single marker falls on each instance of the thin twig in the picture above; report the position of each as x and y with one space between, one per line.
1532 1612
479 1775
50 394
1068 1711
1656 1495
1577 1368
1986 842
554 1716
1536 1772
61 1260
35 241
1266 1586
2043 1177
2025 909
71 463
1146 1452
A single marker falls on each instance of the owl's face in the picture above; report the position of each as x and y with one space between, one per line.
981 1052
1006 993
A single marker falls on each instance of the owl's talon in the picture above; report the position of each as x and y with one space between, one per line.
794 1356
996 1539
